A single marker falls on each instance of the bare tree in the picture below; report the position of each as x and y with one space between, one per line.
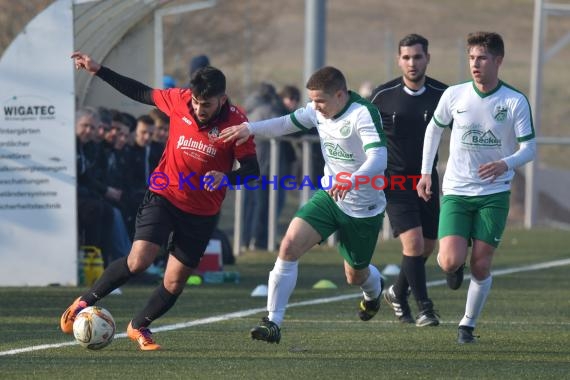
14 15
232 31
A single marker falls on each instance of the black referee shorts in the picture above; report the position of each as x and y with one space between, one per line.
406 210
158 219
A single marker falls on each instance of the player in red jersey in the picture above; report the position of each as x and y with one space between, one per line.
184 196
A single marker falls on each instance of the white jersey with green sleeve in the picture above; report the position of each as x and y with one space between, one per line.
486 127
345 138
344 141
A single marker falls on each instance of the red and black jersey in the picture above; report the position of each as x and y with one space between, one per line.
193 150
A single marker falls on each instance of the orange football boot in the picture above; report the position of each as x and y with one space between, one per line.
68 316
143 337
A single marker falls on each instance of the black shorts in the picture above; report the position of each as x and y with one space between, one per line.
160 222
406 210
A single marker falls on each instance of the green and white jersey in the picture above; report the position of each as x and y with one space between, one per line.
486 128
344 141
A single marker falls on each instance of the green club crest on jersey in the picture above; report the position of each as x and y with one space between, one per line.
500 113
345 129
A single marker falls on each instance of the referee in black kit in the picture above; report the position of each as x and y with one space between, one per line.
406 105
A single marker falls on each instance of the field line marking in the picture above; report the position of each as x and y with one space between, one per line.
246 313
36 348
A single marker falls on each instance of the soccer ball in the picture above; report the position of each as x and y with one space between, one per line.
94 328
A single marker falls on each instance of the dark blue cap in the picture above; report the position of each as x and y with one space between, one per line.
198 62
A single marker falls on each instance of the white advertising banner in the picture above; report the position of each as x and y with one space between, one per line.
38 227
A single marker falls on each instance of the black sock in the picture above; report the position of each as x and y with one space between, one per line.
115 275
159 303
401 285
415 271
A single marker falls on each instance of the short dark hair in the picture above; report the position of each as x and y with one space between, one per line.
105 116
129 120
414 39
157 114
291 92
145 119
117 116
208 82
491 41
327 79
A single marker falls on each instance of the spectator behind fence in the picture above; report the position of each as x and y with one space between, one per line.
168 82
95 215
161 126
262 103
198 62
103 150
141 160
291 97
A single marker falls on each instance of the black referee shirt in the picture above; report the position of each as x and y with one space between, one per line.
405 116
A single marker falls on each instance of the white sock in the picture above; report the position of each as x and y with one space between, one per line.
282 281
371 287
476 297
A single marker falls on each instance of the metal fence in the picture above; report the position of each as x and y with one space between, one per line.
551 184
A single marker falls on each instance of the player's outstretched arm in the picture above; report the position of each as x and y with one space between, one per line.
84 61
240 133
125 85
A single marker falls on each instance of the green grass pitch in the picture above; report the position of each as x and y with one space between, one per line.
524 330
